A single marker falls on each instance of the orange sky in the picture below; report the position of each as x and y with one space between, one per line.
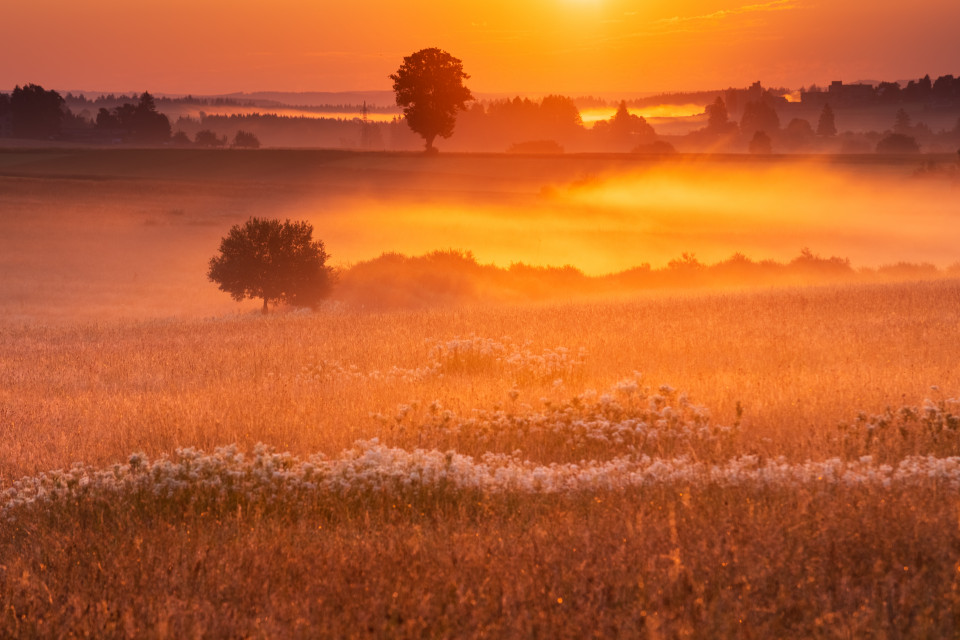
573 47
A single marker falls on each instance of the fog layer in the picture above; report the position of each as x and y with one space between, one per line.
130 234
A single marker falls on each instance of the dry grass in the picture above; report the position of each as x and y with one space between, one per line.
532 476
654 561
798 361
821 564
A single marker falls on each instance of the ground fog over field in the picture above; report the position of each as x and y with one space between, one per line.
455 445
129 233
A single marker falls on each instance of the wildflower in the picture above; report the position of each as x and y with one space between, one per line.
136 460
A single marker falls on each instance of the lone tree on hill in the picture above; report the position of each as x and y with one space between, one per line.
429 87
272 260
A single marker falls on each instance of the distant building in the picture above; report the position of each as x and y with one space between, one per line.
840 95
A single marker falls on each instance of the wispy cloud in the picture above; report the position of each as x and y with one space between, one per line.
774 5
723 20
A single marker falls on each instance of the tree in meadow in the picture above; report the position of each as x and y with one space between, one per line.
278 262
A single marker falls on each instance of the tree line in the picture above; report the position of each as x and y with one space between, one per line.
32 112
429 87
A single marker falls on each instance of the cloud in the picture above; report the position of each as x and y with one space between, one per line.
699 24
774 5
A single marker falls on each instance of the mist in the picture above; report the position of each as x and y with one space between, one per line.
612 221
136 241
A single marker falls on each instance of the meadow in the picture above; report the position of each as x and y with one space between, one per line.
766 461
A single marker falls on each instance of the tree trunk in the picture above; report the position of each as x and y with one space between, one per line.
429 139
264 305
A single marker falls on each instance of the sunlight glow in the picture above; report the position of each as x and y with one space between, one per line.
617 222
593 115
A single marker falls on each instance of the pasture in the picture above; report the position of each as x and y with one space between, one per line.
734 462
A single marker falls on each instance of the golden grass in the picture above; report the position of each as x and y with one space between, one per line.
98 363
821 564
797 360
652 562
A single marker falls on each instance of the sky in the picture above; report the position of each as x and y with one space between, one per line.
532 47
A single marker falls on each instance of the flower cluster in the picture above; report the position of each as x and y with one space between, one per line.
626 420
933 428
192 476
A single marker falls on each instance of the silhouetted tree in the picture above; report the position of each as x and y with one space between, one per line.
246 140
506 122
901 122
945 88
35 112
918 91
139 122
888 92
761 143
429 87
799 127
718 121
898 143
207 138
149 125
274 261
826 126
624 124
797 133
560 114
810 263
686 267
559 118
108 120
6 126
624 129
759 116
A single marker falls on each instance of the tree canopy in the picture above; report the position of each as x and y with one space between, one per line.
759 116
718 120
207 138
898 143
273 261
760 143
826 125
625 127
246 140
429 86
139 122
36 112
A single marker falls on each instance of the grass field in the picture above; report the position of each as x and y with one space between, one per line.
751 462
